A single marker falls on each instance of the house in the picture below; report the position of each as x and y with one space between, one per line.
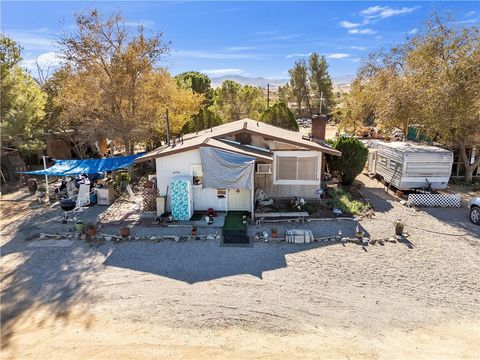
229 162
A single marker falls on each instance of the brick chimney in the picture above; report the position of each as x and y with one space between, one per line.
319 124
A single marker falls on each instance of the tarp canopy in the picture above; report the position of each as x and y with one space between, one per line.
89 166
226 170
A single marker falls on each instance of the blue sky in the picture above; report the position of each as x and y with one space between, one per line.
244 38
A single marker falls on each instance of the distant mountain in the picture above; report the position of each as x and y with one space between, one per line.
274 83
343 80
253 81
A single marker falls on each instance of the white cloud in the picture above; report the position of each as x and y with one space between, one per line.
240 48
32 39
362 48
470 13
297 55
213 55
222 72
413 31
469 21
382 12
362 31
144 23
338 56
46 60
349 25
357 60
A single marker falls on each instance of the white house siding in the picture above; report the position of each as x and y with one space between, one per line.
181 164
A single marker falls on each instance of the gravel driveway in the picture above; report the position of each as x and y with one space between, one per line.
274 289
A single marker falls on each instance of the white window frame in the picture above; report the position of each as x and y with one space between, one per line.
278 154
196 166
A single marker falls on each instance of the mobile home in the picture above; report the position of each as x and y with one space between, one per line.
408 166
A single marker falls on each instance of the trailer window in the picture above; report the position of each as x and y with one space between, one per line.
393 164
382 160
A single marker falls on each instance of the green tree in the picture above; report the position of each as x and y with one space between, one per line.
352 161
199 83
284 93
22 102
299 85
205 119
280 115
357 107
234 102
320 83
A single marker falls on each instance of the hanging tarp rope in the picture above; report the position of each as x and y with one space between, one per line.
225 169
89 166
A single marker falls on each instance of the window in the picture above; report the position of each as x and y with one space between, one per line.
197 175
393 164
382 160
296 169
264 168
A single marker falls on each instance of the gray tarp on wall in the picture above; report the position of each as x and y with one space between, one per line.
226 170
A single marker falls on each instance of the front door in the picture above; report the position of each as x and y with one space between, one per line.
239 199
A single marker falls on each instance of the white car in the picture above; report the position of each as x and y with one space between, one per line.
474 206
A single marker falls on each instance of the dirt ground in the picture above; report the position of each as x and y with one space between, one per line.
199 300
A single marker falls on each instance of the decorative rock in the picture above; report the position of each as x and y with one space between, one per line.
153 238
83 236
210 237
108 238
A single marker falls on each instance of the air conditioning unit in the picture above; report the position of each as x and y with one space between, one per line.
264 168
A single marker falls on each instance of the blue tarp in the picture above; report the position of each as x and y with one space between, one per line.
89 166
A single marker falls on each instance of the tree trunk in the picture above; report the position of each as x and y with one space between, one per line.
469 168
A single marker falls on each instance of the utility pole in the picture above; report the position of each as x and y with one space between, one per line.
268 96
321 101
168 127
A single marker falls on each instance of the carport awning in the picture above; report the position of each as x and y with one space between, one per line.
89 166
225 169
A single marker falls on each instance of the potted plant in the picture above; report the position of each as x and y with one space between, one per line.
124 232
79 225
90 230
359 235
274 232
194 230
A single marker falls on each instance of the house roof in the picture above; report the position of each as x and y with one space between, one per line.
207 138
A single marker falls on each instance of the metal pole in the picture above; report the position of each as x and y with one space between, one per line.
168 127
268 96
46 176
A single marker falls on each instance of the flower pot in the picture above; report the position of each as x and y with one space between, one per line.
79 226
274 235
91 231
125 232
194 232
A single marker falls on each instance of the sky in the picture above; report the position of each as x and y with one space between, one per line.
254 39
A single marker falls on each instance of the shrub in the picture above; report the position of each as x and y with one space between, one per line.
343 201
352 161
